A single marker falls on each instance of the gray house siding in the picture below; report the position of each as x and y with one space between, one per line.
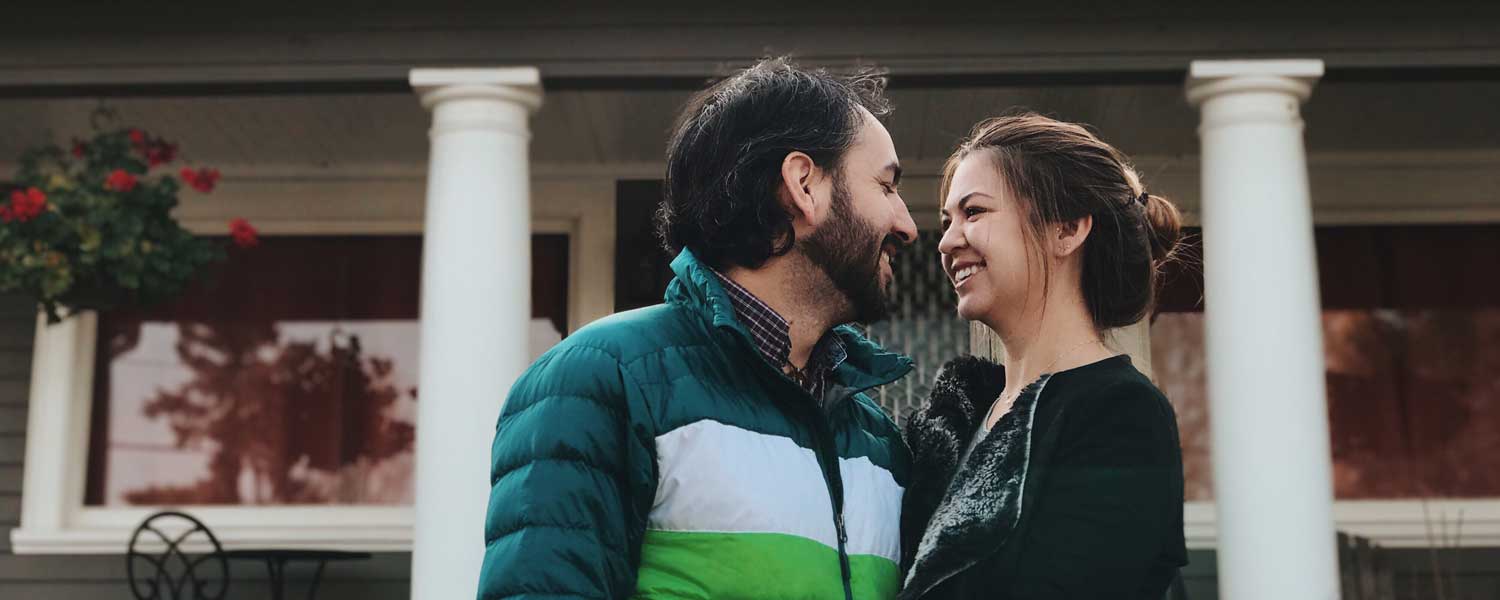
17 324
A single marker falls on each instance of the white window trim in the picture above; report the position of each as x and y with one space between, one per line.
1426 523
53 517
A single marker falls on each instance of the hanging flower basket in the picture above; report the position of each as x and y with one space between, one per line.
91 227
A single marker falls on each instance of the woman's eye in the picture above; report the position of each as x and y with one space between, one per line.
972 211
889 189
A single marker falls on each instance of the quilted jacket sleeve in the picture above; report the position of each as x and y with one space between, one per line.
560 520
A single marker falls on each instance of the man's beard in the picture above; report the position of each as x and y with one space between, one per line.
847 250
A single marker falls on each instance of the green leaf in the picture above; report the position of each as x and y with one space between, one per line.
95 248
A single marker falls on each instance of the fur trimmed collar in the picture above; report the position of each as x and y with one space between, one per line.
963 513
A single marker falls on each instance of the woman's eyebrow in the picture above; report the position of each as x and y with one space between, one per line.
964 201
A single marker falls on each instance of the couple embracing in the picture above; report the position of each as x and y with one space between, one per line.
722 445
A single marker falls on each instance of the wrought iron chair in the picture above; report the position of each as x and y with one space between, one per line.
172 573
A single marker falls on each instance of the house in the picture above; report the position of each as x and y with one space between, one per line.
316 117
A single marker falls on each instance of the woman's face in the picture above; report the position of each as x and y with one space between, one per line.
986 255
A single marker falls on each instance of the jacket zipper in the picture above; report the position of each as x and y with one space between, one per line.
833 477
828 460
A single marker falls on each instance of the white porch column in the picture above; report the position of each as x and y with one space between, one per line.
1271 458
476 307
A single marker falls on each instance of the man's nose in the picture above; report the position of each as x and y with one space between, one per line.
904 227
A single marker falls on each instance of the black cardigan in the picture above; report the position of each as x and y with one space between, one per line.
1076 493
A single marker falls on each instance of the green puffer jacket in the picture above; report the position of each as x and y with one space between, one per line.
655 454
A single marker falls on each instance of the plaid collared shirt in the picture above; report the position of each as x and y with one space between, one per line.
773 338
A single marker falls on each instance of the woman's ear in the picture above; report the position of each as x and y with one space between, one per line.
1069 236
798 176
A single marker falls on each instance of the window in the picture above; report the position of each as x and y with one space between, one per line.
1411 321
68 509
287 375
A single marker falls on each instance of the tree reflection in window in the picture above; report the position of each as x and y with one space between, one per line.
299 420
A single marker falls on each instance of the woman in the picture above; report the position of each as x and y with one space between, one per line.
1060 474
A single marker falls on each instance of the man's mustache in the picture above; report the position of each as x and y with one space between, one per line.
892 245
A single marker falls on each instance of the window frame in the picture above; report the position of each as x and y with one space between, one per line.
1431 522
54 519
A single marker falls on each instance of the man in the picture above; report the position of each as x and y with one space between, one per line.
719 445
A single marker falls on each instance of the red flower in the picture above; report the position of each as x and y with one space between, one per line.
24 205
35 199
155 150
244 235
160 153
79 148
202 180
120 181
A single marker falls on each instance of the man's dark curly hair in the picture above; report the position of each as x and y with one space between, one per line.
724 158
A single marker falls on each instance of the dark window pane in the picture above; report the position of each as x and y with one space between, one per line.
286 375
1411 327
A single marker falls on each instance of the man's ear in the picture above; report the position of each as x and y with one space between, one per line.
798 176
1069 236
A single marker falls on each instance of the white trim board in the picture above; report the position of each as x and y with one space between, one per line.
1354 188
355 528
1348 188
1419 523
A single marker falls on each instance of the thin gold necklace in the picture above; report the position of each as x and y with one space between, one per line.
1045 370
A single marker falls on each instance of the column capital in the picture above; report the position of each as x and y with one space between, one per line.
1294 77
519 85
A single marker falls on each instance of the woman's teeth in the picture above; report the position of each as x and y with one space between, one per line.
966 273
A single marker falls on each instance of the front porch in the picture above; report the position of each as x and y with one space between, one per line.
347 161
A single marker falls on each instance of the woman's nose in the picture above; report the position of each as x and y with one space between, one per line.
953 239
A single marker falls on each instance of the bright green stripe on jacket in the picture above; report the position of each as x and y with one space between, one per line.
788 567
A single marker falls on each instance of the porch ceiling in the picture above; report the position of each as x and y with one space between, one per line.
347 131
